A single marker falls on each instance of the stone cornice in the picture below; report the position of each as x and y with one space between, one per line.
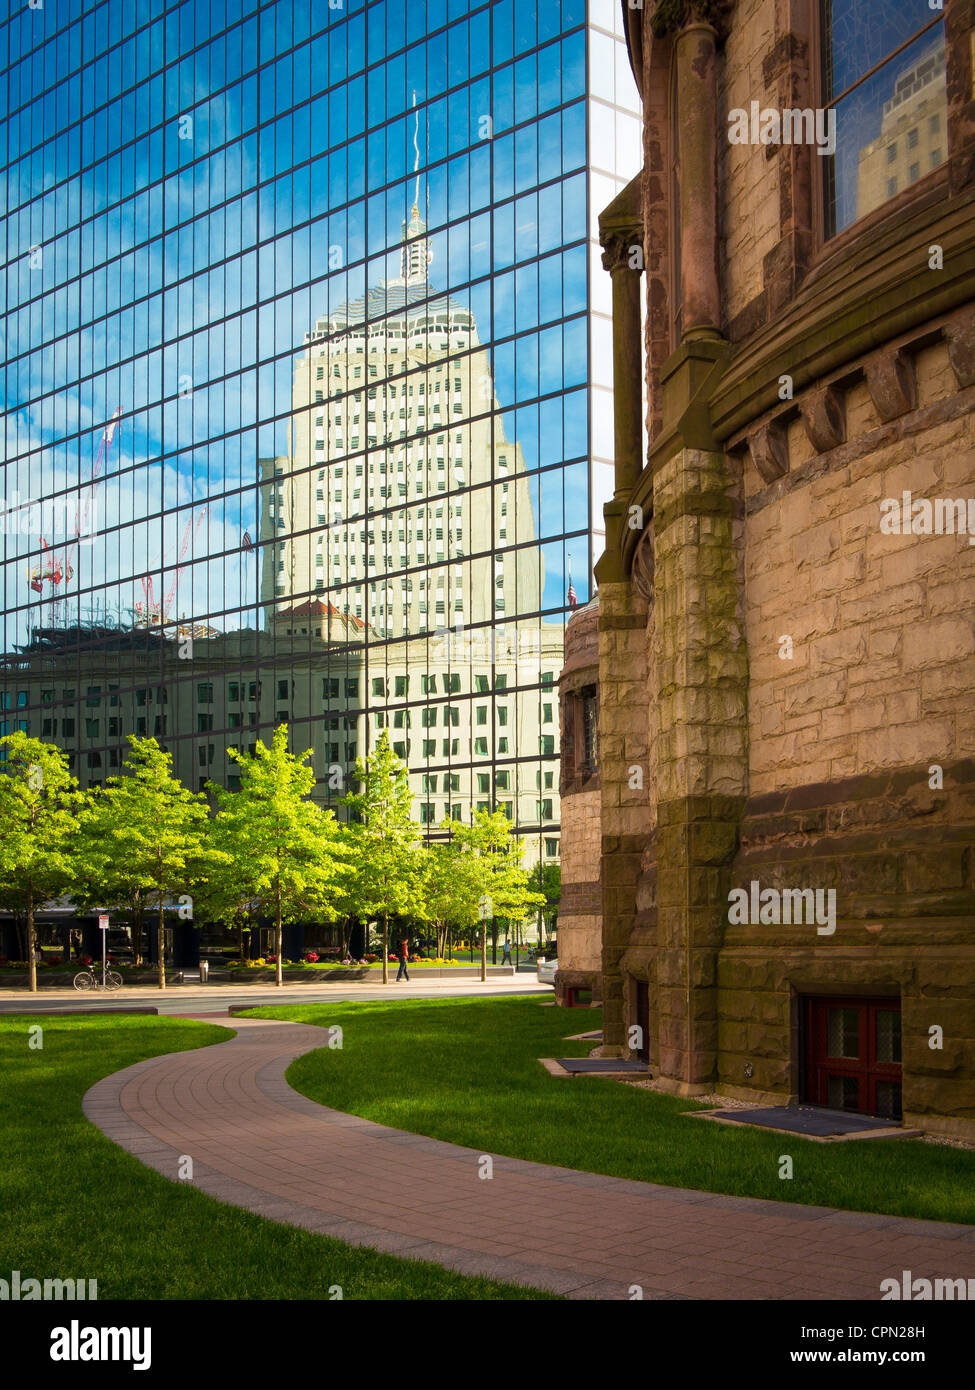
871 290
851 305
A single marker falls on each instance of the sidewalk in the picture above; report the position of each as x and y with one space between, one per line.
219 997
317 980
257 1144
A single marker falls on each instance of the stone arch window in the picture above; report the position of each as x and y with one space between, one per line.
587 730
580 735
884 104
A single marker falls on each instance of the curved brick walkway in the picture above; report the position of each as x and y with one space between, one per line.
257 1144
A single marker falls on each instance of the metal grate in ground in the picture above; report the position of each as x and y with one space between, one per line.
597 1064
806 1119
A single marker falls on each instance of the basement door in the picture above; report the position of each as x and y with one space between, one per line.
853 1055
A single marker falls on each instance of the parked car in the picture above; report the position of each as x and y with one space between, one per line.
546 970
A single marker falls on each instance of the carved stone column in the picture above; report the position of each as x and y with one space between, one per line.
623 258
621 236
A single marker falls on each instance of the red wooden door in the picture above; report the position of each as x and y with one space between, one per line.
853 1055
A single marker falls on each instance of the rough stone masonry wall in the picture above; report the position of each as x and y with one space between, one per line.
580 912
698 729
626 822
882 673
747 177
847 740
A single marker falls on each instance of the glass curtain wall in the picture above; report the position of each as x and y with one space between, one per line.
296 386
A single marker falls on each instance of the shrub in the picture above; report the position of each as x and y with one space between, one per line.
311 958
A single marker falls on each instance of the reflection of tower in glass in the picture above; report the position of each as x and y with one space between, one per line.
395 428
406 511
913 131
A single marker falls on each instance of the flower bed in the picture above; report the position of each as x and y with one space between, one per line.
369 962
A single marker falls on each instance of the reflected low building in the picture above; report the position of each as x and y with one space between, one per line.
200 694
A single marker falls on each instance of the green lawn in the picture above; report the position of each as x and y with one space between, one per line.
467 1071
76 1206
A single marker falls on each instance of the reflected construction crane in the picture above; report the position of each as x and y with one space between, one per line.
155 612
58 568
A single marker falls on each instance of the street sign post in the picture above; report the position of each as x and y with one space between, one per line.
485 911
103 928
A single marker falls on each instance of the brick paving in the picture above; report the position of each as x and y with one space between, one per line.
256 1143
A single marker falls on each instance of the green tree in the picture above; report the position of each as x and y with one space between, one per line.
547 880
289 855
223 897
145 839
102 882
389 861
39 807
488 865
448 893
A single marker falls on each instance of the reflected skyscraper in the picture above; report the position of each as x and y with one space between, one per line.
404 504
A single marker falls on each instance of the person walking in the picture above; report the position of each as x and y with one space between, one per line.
506 953
404 952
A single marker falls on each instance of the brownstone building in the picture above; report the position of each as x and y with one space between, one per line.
786 617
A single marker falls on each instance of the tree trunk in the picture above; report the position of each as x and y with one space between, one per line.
483 951
385 949
278 937
31 962
161 945
137 929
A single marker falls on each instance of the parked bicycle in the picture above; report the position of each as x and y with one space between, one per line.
91 978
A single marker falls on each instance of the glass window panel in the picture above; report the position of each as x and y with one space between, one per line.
843 1093
843 1032
888 1023
883 110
